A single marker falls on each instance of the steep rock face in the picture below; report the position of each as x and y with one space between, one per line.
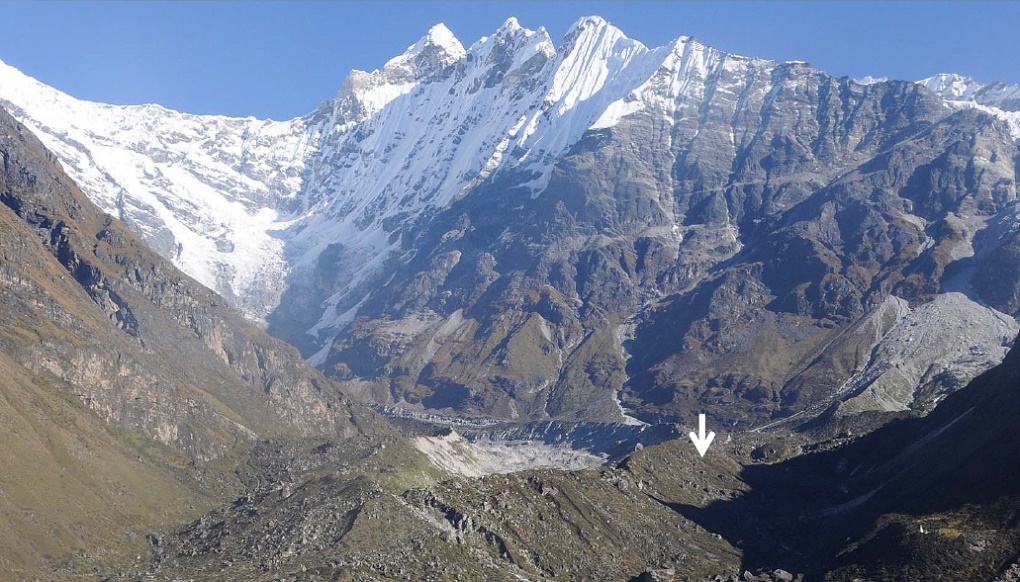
148 349
888 226
530 231
708 252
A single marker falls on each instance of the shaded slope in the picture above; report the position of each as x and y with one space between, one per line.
918 499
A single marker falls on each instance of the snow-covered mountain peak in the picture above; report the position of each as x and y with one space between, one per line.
591 23
952 86
439 40
427 59
362 94
223 197
955 87
491 58
509 26
595 35
204 191
870 80
998 99
593 53
512 29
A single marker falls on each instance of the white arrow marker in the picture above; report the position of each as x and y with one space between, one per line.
702 442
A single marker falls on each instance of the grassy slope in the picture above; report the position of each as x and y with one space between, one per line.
72 491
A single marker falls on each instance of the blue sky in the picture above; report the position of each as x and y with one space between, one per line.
280 59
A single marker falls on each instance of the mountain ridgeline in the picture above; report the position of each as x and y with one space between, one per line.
523 231
725 265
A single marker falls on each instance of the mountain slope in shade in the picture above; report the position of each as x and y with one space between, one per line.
530 231
927 498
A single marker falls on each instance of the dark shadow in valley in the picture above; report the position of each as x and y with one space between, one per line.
857 507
